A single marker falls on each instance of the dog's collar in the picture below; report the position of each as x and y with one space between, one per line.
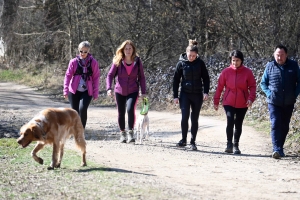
44 134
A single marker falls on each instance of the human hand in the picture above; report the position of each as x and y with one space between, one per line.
176 101
205 96
66 97
249 104
216 107
143 96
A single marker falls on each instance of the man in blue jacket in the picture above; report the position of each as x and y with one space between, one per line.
281 84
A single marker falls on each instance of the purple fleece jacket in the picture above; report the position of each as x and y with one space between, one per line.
71 82
127 84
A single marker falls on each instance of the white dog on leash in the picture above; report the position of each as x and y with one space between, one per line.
142 128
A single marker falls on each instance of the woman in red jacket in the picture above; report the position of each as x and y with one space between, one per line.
240 93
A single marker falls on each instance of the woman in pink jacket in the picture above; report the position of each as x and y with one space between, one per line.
81 83
240 93
127 69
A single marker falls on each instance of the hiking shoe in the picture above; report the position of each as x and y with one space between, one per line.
276 155
181 143
130 137
229 148
281 153
123 137
236 150
193 146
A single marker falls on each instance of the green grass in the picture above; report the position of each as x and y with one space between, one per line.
262 126
11 75
23 178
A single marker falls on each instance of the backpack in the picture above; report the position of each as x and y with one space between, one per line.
86 74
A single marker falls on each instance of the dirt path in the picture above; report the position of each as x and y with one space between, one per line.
204 174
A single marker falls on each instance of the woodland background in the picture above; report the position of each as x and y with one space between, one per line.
43 35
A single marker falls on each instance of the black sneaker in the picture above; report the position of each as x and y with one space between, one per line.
236 150
193 146
181 143
229 148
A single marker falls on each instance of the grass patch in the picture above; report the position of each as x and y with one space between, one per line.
262 126
11 75
22 178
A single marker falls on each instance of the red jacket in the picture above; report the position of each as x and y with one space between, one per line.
240 86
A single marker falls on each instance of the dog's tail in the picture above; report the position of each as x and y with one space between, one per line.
80 142
79 136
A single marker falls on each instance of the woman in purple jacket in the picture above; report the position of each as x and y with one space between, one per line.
127 67
81 83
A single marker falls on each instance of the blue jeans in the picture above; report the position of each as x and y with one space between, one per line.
280 117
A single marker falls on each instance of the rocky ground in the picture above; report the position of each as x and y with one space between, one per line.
207 173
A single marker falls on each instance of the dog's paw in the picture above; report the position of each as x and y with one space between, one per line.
50 168
40 161
83 165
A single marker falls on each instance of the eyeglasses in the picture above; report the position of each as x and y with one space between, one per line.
83 51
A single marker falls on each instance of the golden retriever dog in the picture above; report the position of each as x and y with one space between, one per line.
53 126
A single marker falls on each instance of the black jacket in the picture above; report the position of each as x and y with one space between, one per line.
193 76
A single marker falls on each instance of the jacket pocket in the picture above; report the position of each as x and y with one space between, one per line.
226 94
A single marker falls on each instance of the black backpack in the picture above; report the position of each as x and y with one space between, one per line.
88 73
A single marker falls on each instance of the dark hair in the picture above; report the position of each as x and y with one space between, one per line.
280 46
192 46
237 54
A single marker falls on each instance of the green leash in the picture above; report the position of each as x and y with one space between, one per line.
145 106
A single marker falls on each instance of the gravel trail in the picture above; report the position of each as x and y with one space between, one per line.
208 173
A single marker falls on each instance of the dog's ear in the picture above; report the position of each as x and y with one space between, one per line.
36 132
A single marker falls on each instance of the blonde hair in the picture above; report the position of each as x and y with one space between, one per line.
120 52
192 46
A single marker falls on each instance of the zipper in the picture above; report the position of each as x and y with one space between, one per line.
235 87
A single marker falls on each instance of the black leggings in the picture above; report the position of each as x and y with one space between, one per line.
131 101
80 102
187 101
235 118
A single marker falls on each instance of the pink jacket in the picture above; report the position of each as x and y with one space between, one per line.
71 82
127 84
240 86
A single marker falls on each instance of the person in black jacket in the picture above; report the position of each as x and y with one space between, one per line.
281 84
193 75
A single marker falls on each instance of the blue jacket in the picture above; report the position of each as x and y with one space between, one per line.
281 84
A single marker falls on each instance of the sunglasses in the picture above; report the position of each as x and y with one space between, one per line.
83 51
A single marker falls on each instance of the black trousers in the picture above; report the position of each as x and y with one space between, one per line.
126 103
235 118
80 102
187 102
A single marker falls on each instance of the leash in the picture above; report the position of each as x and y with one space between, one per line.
145 106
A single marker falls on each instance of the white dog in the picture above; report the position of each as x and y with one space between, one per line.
142 128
